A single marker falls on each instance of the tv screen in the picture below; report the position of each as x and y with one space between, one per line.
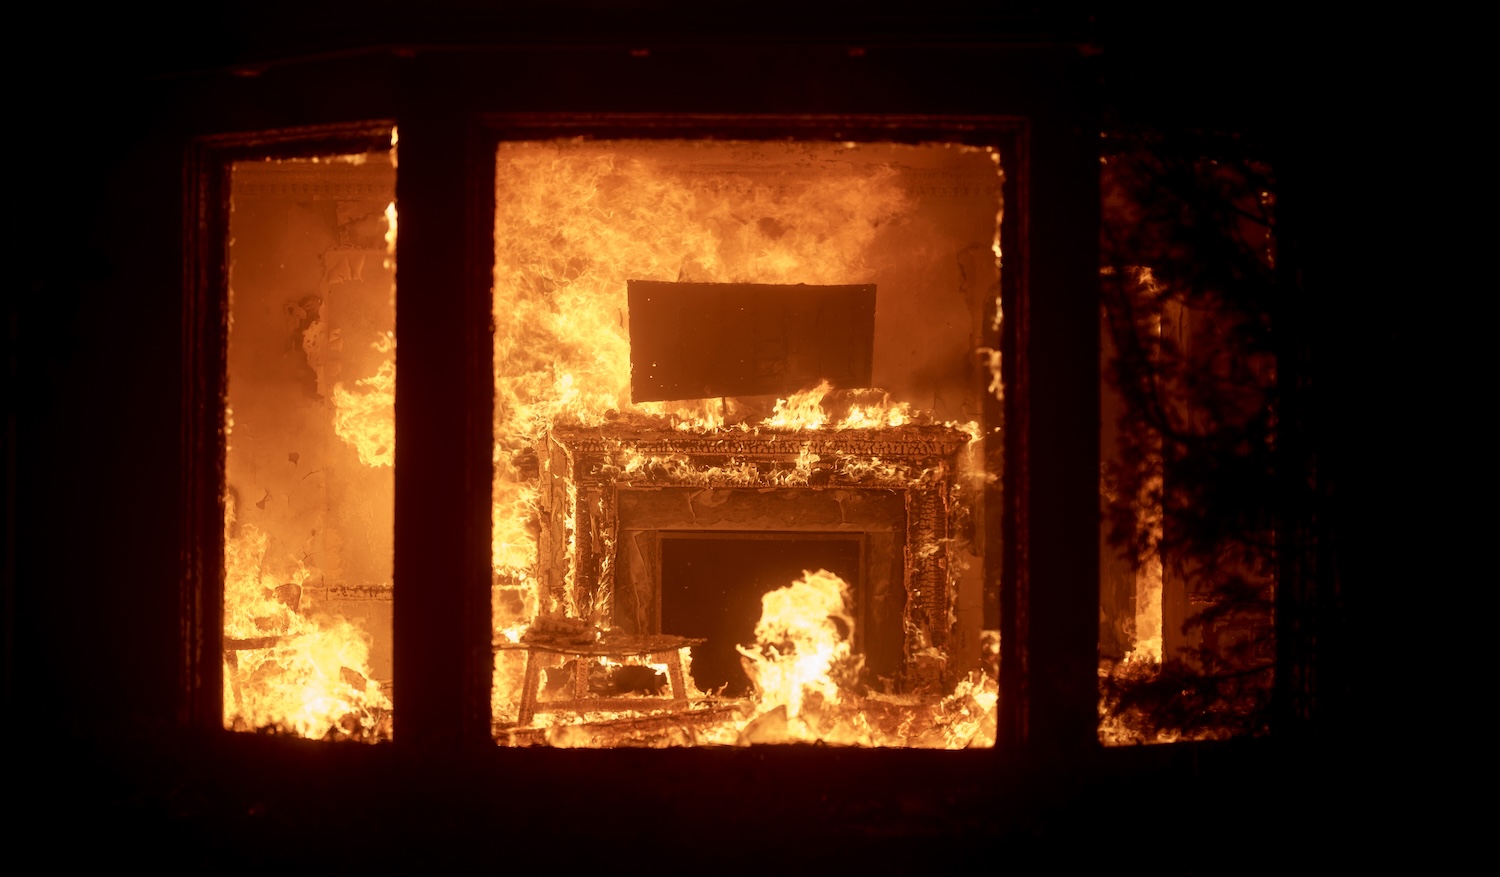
701 340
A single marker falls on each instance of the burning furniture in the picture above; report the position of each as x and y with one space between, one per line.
667 649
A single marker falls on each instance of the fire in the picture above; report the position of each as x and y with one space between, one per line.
803 634
308 457
575 222
366 420
806 690
287 667
806 679
808 409
802 410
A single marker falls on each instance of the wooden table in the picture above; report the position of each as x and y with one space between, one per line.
658 647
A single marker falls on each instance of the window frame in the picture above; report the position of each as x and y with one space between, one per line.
445 201
205 338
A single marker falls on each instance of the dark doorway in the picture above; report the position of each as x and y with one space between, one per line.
712 584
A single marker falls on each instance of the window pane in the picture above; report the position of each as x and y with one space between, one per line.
786 542
1188 443
310 447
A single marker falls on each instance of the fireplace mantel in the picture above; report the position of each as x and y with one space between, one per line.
609 492
911 444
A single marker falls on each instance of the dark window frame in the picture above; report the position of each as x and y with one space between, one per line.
445 200
205 336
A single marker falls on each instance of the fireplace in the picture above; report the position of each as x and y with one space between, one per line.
650 525
709 585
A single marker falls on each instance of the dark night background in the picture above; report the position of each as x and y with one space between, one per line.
102 107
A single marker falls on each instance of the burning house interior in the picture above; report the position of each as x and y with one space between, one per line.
726 367
310 441
663 437
652 299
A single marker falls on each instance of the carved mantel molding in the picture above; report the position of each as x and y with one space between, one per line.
609 492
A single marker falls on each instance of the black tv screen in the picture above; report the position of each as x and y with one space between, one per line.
701 340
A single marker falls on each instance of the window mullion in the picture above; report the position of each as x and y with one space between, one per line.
442 646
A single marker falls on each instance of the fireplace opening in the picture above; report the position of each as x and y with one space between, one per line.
712 586
746 429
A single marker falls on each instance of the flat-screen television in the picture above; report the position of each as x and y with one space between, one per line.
701 340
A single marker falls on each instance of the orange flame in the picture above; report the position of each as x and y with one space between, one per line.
303 673
804 631
366 420
287 666
574 222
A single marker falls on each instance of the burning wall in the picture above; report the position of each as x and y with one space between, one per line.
309 447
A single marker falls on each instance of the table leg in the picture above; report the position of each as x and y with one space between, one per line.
580 677
529 689
674 672
232 667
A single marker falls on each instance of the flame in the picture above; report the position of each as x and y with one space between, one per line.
390 225
288 666
805 676
574 222
806 689
303 673
808 409
873 416
366 420
802 410
804 631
